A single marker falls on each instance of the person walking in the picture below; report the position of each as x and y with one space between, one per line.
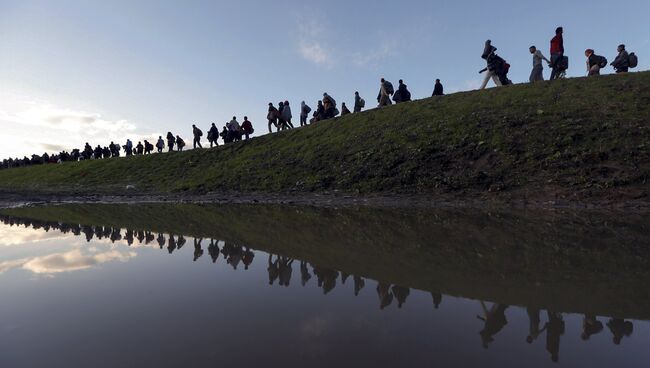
213 135
385 91
304 113
329 104
247 127
438 89
319 113
170 141
402 94
622 62
197 133
493 65
234 130
180 143
272 117
594 63
557 53
160 144
286 115
537 74
359 103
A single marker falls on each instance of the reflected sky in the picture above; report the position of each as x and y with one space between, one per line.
105 296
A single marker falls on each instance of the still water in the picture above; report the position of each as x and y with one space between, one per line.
243 286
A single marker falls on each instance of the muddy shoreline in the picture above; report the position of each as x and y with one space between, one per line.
336 199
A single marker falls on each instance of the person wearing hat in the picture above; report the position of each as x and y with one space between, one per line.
621 64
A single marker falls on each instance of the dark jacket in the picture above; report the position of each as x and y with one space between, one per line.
438 90
593 60
621 63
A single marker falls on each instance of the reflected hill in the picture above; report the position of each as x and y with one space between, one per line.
564 262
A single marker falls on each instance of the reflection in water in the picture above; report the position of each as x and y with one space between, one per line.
280 269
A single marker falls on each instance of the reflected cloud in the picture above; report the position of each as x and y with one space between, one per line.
74 260
10 236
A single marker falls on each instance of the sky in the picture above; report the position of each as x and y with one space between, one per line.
76 71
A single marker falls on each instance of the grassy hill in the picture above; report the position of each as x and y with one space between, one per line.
578 139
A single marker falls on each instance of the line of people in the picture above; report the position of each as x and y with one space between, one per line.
496 70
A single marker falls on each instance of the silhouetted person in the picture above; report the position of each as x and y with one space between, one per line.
438 89
198 250
235 256
620 328
180 242
160 144
359 283
161 240
402 94
554 329
115 235
171 244
385 91
590 326
437 299
149 237
247 258
305 276
401 293
385 295
557 53
537 74
273 269
128 236
495 320
359 103
272 117
622 61
326 278
286 270
533 325
304 113
344 109
344 277
213 135
197 133
247 127
213 250
180 143
171 141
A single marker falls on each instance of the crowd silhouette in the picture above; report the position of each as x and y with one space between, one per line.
280 270
281 117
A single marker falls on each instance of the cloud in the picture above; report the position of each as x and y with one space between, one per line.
74 260
31 125
312 43
15 235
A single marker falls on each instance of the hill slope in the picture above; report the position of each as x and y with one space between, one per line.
580 138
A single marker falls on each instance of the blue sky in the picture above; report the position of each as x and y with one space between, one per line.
73 71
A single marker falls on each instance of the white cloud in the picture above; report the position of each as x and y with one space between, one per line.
312 44
34 125
74 260
371 58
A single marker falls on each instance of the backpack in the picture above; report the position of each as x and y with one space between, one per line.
362 103
407 96
200 132
632 60
389 88
563 64
306 110
506 67
602 61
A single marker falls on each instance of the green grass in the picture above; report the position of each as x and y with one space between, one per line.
579 135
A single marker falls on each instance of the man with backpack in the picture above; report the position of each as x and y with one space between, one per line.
594 63
557 53
495 66
402 94
537 74
359 103
171 140
304 113
213 135
438 89
329 104
180 143
272 117
622 62
385 91
197 133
